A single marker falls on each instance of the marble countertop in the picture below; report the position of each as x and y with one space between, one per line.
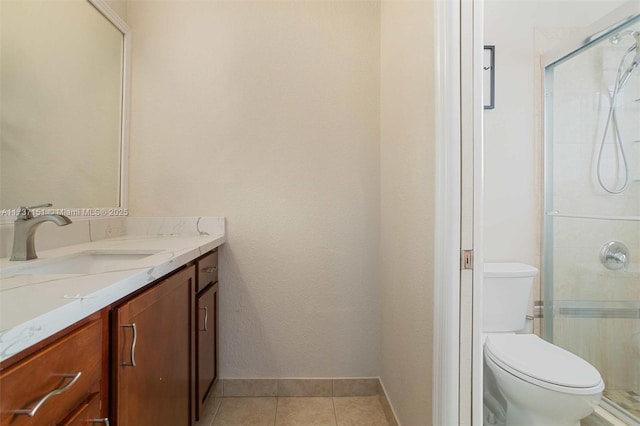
34 307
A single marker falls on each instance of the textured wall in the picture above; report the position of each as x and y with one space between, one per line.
267 113
407 174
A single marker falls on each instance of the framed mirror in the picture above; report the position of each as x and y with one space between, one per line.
64 105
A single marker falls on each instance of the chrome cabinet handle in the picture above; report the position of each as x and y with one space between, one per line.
206 318
32 412
105 421
133 346
210 269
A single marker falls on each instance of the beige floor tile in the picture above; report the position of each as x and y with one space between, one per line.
210 410
386 407
359 411
246 412
307 411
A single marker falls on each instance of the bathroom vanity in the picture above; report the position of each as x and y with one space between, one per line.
131 343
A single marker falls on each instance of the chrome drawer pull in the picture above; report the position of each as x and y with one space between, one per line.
32 412
210 269
206 318
133 346
105 421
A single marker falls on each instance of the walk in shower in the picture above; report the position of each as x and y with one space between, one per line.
591 258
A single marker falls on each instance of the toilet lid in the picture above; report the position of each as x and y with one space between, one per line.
533 357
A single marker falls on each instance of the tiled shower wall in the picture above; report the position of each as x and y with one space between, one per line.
582 287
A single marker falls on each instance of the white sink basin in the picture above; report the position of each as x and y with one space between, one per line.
86 262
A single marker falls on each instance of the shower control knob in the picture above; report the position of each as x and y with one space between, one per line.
614 255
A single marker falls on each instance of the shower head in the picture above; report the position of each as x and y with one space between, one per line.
635 63
615 39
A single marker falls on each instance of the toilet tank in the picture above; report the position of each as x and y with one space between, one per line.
506 292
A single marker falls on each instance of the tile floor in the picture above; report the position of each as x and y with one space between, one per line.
287 411
307 411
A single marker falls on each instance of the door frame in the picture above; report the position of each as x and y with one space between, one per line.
457 382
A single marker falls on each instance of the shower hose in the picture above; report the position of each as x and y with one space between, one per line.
612 123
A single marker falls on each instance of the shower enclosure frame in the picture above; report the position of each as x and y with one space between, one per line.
603 28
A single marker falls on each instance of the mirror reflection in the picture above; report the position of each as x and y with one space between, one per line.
61 80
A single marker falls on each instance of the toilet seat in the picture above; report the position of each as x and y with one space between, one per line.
538 362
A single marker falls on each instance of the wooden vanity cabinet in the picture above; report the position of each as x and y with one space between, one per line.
148 359
152 353
206 329
60 383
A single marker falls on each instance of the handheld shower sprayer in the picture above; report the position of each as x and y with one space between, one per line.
622 79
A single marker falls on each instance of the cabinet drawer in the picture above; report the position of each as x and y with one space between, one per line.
55 380
207 270
88 414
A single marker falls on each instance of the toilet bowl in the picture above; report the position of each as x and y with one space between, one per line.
543 385
532 382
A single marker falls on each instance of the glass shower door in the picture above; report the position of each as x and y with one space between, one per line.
592 211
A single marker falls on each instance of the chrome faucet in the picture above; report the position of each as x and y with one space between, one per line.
24 232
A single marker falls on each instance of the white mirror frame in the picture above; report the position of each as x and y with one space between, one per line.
119 23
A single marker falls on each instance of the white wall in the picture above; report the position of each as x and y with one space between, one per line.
270 113
120 7
267 113
513 180
407 155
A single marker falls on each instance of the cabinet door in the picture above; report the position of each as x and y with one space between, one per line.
206 343
152 354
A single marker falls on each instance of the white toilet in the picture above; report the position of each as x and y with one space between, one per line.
528 381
